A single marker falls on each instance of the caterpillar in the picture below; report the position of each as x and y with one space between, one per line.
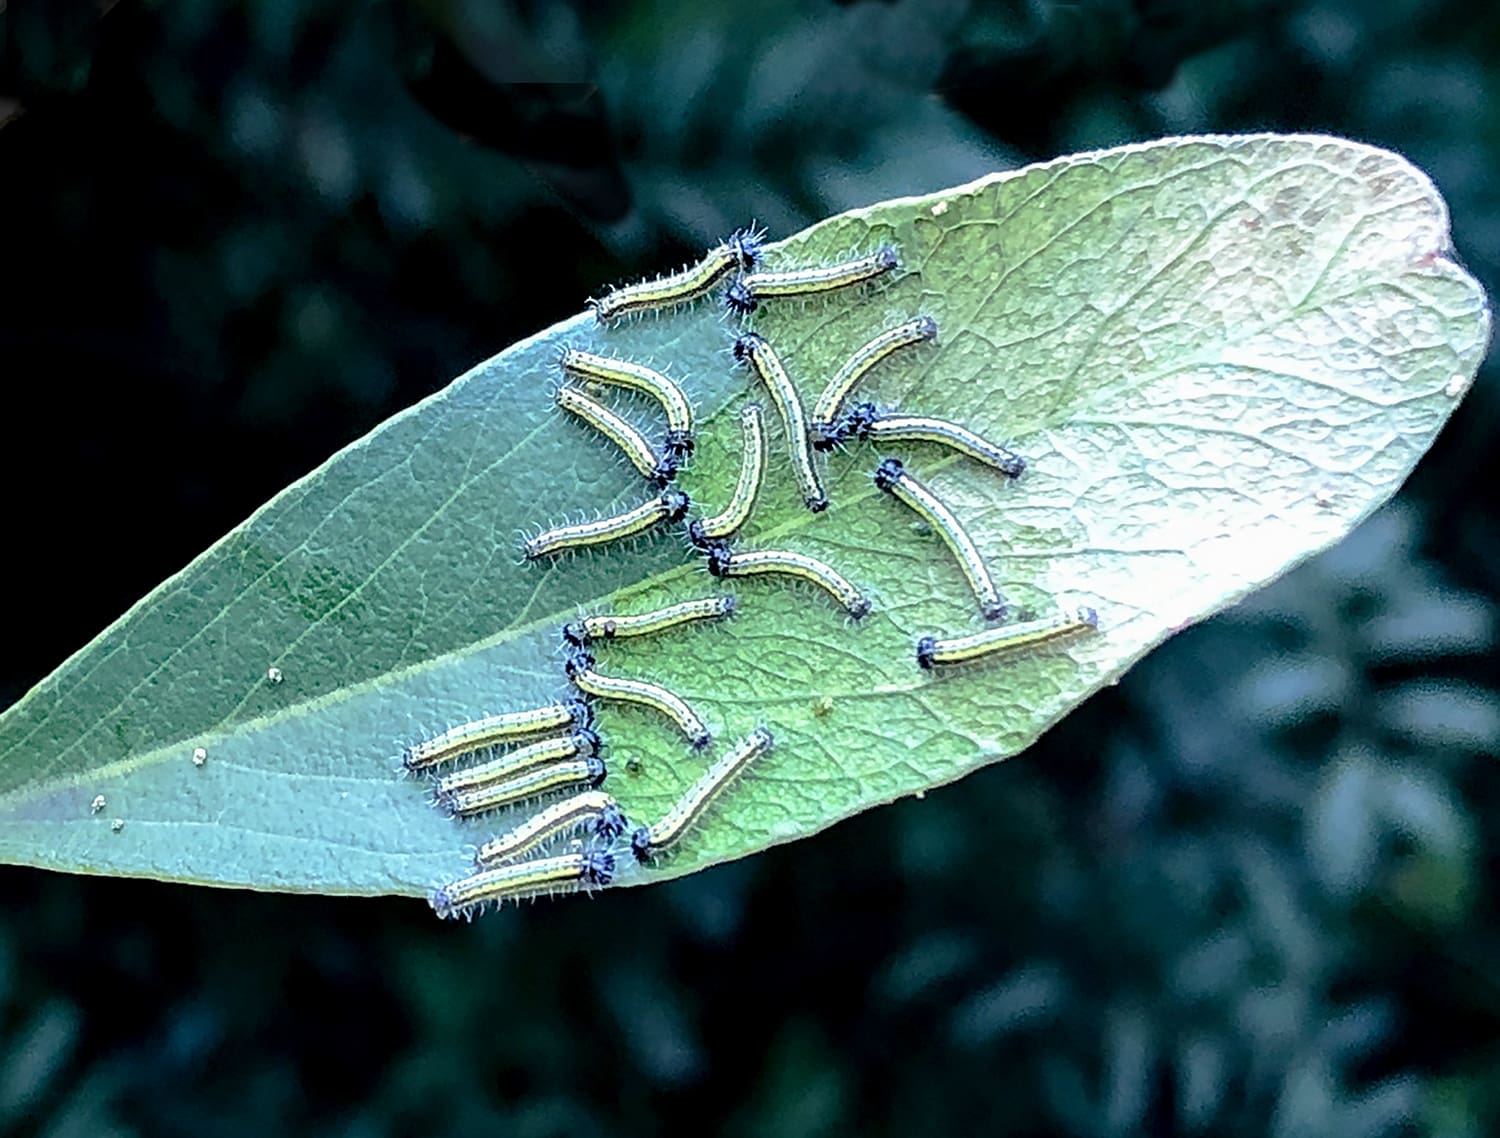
649 841
511 765
723 563
739 252
567 775
507 727
638 377
593 812
892 477
825 417
569 872
727 522
865 422
744 295
753 349
669 507
658 469
932 651
589 629
580 669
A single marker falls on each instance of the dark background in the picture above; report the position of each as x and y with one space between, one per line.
1247 892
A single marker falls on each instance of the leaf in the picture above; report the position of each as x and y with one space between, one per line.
1217 353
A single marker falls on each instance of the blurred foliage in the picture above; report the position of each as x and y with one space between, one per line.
1247 892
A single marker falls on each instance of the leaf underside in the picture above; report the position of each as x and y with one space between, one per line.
1217 354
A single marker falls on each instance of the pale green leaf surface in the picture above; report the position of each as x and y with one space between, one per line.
1218 355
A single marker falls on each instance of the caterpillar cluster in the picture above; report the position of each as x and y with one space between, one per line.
553 756
578 837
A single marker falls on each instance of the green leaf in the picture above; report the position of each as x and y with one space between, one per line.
1218 354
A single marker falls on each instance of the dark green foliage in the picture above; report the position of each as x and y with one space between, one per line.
1246 893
